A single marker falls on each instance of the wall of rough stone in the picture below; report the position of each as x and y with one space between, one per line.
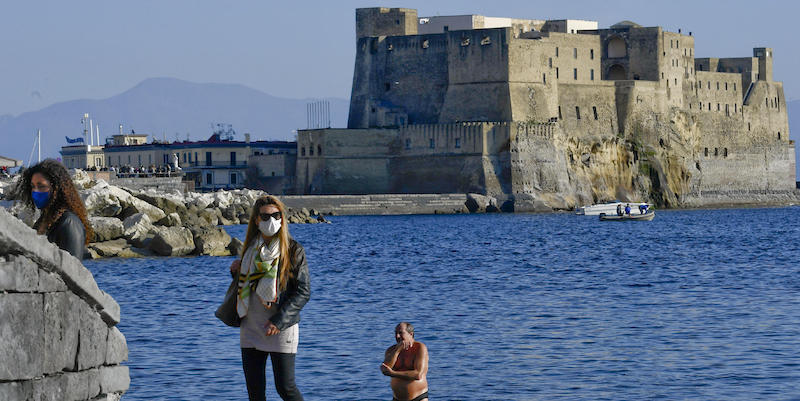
379 203
58 339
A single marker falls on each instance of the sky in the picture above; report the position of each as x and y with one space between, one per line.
55 51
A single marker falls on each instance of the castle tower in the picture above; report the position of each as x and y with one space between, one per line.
764 55
382 21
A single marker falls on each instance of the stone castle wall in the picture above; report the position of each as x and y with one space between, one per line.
632 114
58 339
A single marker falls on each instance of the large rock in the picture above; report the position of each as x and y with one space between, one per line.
136 228
212 241
171 220
108 200
211 216
168 203
116 248
106 228
172 241
477 203
236 246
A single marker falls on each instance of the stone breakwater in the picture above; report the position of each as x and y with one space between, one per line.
58 335
131 223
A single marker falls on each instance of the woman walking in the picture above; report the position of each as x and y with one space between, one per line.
48 186
273 287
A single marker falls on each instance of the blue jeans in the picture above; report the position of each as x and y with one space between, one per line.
254 363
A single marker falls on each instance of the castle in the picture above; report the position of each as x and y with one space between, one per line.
549 113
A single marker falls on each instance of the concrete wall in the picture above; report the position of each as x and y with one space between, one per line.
379 204
382 21
58 339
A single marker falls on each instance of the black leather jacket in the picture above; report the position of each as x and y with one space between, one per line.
297 292
69 234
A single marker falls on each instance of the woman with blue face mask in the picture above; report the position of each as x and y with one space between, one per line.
48 187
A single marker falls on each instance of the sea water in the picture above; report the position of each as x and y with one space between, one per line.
696 305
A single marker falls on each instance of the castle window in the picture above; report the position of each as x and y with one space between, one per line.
319 150
303 151
556 72
716 152
575 74
591 54
432 143
591 74
779 136
748 126
701 105
559 112
725 152
676 81
574 52
709 85
544 79
735 107
706 152
726 86
387 86
709 106
556 51
594 110
458 143
718 108
717 85
578 112
727 111
446 28
766 104
734 86
550 62
408 143
662 75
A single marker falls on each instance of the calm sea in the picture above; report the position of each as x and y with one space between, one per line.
695 305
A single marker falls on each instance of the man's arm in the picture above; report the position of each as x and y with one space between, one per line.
420 366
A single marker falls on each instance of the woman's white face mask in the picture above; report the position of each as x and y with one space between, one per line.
269 227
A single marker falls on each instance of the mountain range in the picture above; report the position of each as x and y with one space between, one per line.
165 107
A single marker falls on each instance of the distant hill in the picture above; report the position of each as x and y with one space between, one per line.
793 108
164 105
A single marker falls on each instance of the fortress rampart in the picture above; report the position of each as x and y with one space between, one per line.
533 113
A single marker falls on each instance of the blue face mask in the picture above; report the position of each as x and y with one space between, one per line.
40 199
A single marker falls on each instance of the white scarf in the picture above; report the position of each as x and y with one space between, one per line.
267 287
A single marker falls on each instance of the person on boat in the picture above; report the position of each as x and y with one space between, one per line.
643 208
406 362
273 288
627 209
619 209
48 187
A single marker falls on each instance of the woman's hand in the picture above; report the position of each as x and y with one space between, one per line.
235 265
271 329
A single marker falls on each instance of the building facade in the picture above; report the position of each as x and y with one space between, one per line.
559 111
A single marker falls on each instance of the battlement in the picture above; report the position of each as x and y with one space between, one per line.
382 21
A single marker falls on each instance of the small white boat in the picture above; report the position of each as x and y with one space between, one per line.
608 208
629 217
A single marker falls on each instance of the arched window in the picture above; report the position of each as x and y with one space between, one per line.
616 47
616 72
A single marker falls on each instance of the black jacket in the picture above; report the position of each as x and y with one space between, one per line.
69 234
297 292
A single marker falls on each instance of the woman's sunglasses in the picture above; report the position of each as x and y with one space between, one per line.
266 216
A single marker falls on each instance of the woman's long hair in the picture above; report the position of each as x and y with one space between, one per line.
283 236
63 196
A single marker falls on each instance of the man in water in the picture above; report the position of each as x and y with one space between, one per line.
407 364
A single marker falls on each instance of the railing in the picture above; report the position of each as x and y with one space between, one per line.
215 164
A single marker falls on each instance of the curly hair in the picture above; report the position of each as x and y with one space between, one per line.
63 196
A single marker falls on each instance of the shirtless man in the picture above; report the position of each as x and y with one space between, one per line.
407 364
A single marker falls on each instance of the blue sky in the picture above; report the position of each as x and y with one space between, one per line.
63 50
